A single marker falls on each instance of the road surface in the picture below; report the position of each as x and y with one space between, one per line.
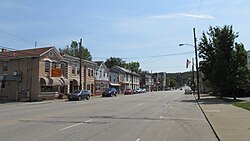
154 116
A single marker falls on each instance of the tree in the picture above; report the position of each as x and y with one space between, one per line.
73 50
133 66
173 82
224 60
114 61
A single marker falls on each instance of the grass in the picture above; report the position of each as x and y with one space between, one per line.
239 103
245 105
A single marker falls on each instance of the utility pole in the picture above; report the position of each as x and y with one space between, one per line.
197 70
80 50
193 84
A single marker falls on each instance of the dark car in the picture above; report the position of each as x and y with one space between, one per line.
79 95
109 92
129 91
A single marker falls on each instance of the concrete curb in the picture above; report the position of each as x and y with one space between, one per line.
206 117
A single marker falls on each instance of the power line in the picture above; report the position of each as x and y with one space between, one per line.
19 39
151 57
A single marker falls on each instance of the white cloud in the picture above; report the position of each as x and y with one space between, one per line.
179 15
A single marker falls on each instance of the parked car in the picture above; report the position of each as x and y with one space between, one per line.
79 95
138 90
188 91
109 92
144 90
129 91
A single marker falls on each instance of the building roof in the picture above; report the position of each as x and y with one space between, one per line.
35 52
124 70
98 62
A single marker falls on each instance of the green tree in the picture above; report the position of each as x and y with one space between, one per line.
114 61
173 82
224 60
73 50
133 66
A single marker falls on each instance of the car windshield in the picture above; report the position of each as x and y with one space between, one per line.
76 92
108 89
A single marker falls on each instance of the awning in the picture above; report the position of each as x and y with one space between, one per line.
44 81
56 81
66 81
115 84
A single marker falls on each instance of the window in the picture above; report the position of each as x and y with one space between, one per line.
63 66
53 65
109 78
47 66
92 72
5 65
3 85
78 70
88 72
97 86
73 69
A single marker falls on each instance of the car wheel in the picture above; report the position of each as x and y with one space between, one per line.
79 98
88 97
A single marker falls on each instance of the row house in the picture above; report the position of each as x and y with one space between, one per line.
42 73
30 74
146 82
101 78
126 78
71 71
160 81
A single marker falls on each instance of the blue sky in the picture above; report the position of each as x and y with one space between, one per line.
147 31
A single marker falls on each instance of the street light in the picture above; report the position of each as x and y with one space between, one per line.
196 60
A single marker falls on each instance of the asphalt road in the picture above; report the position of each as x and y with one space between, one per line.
156 116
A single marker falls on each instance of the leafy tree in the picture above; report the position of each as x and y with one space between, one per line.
173 82
73 50
224 60
114 61
133 66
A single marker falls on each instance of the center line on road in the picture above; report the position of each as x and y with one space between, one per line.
88 121
139 104
70 126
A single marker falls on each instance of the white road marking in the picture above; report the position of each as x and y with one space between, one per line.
139 104
138 140
88 120
212 111
172 118
70 126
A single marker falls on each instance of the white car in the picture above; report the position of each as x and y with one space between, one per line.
188 91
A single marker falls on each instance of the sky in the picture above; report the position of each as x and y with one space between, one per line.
144 31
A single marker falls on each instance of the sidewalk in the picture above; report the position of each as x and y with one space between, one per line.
230 123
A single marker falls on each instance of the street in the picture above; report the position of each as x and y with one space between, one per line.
153 116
